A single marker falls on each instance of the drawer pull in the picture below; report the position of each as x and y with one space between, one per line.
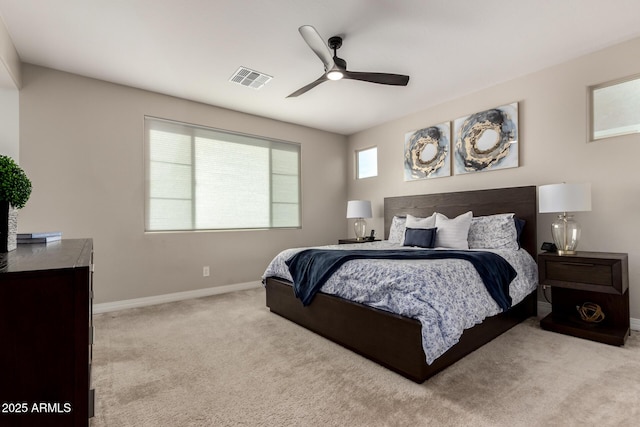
578 264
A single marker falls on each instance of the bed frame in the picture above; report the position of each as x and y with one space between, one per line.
395 341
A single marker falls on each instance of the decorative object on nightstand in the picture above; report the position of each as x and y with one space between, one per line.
15 189
359 209
370 238
564 198
589 295
590 312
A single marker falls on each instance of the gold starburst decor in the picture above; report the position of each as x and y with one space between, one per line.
590 312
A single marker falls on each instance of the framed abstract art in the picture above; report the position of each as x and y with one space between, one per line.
487 140
427 152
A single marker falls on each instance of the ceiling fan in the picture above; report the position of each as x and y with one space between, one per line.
336 68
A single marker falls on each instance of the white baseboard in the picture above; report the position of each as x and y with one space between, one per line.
177 296
544 308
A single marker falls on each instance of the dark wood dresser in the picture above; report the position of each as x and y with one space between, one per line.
46 334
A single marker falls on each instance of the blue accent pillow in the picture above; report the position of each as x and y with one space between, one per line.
420 237
519 226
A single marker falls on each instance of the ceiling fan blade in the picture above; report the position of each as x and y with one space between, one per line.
308 87
382 78
315 42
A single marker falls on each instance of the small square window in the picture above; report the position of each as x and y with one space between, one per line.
367 163
615 108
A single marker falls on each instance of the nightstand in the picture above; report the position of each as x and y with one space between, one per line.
348 241
598 277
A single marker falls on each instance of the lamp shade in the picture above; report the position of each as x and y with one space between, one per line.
359 209
564 198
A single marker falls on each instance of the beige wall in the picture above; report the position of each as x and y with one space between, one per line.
10 73
553 148
10 65
81 143
10 123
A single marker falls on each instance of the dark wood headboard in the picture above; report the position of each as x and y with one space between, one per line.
521 201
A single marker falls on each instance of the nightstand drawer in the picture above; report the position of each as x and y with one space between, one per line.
587 271
581 272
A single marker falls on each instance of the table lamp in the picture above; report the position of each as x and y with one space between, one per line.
359 209
562 199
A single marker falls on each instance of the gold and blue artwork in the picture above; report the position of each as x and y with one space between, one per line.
427 152
487 140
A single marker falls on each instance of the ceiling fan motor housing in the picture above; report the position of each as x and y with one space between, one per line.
335 42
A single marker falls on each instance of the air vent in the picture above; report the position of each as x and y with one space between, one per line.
250 78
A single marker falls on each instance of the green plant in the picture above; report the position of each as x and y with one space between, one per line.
15 187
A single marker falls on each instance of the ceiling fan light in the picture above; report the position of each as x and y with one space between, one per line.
335 75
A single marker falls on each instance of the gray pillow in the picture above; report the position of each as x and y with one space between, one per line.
493 232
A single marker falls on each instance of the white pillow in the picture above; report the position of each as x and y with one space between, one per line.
415 222
396 232
452 233
493 232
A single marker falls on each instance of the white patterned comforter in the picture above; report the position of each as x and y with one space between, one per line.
446 296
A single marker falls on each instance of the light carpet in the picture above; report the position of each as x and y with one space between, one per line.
226 360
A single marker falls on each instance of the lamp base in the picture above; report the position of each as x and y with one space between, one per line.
563 253
360 228
566 234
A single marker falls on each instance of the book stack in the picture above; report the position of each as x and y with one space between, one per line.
49 237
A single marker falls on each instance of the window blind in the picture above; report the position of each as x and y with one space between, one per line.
201 178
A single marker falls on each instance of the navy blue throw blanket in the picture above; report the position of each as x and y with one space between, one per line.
311 268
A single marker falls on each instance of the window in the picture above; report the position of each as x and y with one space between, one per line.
615 108
199 178
367 163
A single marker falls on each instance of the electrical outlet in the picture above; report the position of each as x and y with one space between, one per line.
205 271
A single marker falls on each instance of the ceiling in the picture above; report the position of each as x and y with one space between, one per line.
190 48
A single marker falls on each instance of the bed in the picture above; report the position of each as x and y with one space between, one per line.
396 341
